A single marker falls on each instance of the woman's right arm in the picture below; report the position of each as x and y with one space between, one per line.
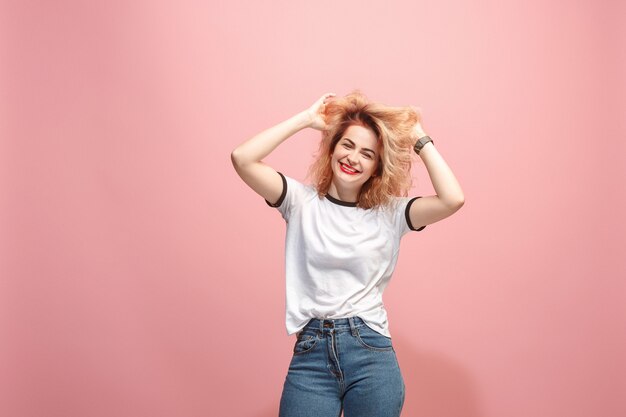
248 157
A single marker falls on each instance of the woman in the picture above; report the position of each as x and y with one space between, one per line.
343 236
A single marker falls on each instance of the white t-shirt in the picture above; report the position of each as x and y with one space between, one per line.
339 258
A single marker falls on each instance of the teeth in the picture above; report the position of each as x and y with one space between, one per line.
348 168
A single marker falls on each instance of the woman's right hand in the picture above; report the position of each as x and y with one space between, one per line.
315 113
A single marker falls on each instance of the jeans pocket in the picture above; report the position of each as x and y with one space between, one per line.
372 340
305 342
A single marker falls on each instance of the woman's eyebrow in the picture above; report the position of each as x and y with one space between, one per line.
365 149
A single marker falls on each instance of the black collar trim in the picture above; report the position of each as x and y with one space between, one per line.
340 202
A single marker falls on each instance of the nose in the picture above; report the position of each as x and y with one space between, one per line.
352 158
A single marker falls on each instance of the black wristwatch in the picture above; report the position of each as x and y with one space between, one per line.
421 142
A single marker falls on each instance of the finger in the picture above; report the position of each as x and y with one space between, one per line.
327 96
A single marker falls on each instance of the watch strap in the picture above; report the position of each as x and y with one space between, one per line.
421 142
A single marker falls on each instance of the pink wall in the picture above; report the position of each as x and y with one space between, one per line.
140 277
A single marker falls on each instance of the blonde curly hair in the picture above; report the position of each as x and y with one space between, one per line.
393 126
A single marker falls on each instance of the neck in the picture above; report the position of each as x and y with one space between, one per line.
343 193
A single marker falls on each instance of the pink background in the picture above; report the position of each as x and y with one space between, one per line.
140 277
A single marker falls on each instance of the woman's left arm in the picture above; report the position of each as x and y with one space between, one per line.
449 198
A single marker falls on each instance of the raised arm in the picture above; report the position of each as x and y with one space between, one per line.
449 196
248 157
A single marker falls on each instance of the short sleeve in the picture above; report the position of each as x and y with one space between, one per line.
402 218
293 194
282 194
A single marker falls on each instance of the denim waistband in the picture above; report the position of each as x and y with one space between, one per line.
338 325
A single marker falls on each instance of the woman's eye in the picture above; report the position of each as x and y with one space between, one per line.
368 156
345 145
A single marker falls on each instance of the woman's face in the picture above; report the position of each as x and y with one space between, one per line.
355 158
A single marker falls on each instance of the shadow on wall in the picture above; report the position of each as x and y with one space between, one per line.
436 386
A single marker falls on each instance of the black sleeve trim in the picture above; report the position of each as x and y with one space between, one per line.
408 218
282 195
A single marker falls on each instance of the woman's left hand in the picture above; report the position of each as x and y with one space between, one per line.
418 130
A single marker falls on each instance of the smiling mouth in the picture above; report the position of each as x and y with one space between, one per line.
348 169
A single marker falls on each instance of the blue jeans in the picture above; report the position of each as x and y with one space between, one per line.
342 364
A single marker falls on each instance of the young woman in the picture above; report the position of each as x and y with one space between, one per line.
343 236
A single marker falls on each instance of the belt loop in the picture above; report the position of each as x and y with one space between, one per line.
352 326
